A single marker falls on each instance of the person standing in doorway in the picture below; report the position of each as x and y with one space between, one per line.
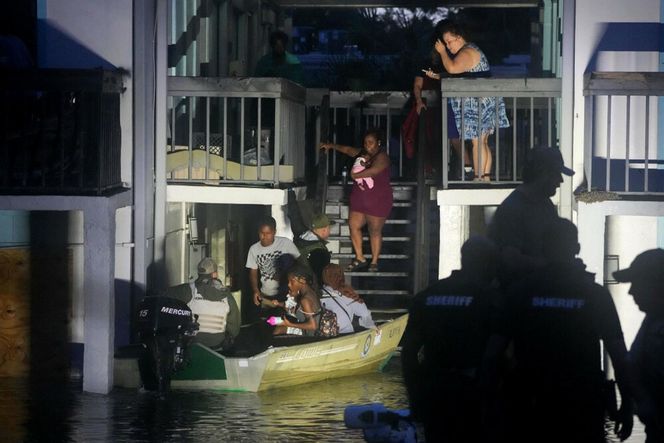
279 62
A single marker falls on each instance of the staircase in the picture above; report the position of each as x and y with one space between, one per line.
388 291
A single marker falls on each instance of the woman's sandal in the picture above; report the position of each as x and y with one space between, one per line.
357 265
373 267
486 177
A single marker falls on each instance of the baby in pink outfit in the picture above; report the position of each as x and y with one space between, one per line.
359 166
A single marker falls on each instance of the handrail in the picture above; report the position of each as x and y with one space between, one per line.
620 126
321 177
62 132
421 250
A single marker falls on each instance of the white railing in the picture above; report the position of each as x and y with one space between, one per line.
353 112
532 106
624 149
227 130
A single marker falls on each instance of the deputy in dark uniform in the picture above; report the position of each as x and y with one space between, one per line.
220 316
448 328
556 318
646 273
517 228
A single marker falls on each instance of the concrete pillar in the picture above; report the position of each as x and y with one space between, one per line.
98 286
591 223
453 232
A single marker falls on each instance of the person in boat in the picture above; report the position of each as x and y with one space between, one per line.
555 318
311 240
264 261
352 314
449 325
646 275
302 305
207 297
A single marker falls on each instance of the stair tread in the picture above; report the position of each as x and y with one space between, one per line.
382 292
389 311
385 238
397 221
376 274
382 256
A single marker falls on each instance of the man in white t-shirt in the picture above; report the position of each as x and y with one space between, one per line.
265 259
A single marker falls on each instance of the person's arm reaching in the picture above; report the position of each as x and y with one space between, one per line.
253 280
417 93
347 150
625 419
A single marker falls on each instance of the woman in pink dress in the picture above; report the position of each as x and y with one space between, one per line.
368 206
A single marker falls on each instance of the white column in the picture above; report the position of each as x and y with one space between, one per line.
453 232
98 287
591 223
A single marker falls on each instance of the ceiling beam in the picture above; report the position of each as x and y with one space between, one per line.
405 3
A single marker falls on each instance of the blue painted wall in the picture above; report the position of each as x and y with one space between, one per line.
14 228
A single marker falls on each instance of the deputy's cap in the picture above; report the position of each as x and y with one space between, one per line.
321 221
548 159
207 266
648 265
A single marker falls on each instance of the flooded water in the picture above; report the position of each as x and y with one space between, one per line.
312 413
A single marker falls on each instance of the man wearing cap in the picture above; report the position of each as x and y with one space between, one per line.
518 225
646 275
312 245
556 317
218 314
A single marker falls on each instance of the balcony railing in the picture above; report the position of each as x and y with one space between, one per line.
623 132
60 131
531 104
352 113
214 136
244 131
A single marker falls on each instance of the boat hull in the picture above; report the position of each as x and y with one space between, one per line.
280 367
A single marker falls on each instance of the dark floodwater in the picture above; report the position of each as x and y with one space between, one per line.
312 413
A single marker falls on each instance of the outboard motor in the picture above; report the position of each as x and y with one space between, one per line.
166 327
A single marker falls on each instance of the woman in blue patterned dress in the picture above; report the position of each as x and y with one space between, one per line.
468 58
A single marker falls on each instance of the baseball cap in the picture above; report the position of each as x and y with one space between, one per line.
548 159
320 221
648 265
207 266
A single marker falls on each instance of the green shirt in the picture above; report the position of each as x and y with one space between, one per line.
288 67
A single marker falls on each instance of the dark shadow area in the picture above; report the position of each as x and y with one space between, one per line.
64 51
643 37
50 398
635 175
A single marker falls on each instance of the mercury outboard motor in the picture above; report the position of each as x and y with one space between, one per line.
165 327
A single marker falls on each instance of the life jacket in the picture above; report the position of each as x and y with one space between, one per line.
211 314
